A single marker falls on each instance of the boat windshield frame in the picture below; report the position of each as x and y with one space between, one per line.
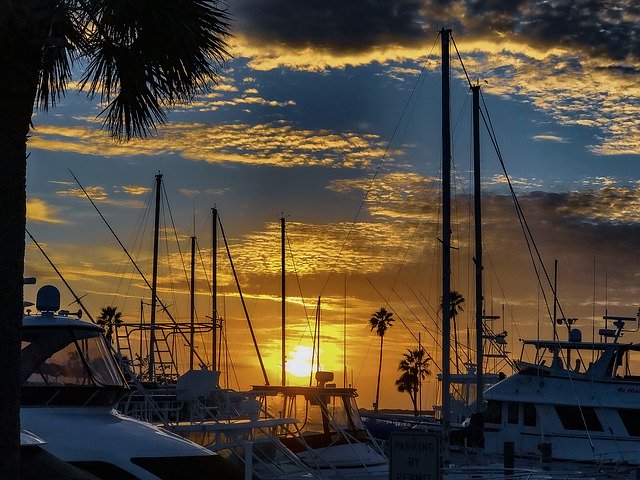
68 364
607 358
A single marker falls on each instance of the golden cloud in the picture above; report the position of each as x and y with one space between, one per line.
266 144
95 192
40 211
573 88
135 189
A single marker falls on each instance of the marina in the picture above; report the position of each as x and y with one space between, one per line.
276 240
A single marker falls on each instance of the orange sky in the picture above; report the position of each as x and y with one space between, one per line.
338 128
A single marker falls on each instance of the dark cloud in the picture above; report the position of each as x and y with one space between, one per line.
331 24
592 26
577 228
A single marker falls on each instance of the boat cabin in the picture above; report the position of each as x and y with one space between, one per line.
66 361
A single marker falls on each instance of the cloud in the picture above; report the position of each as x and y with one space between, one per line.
135 189
333 25
40 211
521 182
549 138
394 196
578 60
593 28
277 144
97 192
209 192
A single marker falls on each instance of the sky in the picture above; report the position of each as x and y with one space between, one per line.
328 115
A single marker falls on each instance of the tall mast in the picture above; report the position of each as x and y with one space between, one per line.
446 235
344 335
478 241
284 300
154 281
193 303
214 300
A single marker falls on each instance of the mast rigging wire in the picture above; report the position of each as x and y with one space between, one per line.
133 262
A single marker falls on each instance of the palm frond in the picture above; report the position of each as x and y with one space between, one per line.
54 29
147 55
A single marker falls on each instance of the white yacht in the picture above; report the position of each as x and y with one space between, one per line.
70 385
577 401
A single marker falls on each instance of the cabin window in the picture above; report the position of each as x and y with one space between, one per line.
529 415
512 412
67 356
576 418
631 421
493 412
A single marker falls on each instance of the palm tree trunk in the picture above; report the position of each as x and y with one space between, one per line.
414 400
455 342
375 407
18 80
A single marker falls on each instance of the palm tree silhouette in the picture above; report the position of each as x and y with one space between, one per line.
380 321
415 368
137 59
455 307
109 318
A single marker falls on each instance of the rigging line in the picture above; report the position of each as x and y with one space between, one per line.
521 216
203 265
435 318
461 62
393 310
454 387
486 252
501 288
175 234
295 271
78 300
122 269
166 241
423 210
437 325
244 305
137 235
382 159
435 340
363 361
204 343
133 262
523 221
411 243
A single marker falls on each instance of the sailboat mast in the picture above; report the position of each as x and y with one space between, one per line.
446 234
284 301
344 336
193 303
477 206
154 281
214 294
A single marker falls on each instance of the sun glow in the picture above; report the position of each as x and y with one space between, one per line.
299 362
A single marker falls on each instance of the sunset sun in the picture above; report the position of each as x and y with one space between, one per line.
299 363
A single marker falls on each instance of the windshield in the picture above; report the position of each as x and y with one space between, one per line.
67 356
